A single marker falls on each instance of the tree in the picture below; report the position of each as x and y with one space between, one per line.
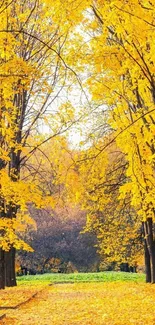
33 72
58 228
121 77
112 219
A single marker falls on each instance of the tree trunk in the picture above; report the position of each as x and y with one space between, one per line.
2 269
2 253
147 263
150 246
10 276
153 263
146 254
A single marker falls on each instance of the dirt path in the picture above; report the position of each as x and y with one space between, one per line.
88 304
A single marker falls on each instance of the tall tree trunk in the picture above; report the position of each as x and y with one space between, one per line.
150 244
10 276
2 269
147 263
151 248
146 257
2 252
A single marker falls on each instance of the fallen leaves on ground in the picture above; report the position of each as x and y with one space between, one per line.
88 304
1 314
11 297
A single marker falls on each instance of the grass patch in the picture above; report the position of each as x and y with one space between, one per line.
80 277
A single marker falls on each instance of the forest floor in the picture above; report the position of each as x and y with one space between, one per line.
86 303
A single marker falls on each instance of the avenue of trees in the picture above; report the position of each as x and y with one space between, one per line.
103 51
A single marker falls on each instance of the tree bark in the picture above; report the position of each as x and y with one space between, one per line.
147 263
2 269
146 255
2 253
10 275
150 249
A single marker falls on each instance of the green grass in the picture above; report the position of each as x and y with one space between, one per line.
109 276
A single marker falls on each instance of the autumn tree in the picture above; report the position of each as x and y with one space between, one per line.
59 225
121 77
32 74
114 221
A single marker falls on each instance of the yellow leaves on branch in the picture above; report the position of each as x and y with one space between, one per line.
122 77
32 62
18 195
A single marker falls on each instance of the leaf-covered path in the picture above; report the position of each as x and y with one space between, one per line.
88 304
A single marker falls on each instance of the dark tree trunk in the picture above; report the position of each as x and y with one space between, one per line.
146 255
153 263
149 250
2 269
2 253
147 263
10 275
